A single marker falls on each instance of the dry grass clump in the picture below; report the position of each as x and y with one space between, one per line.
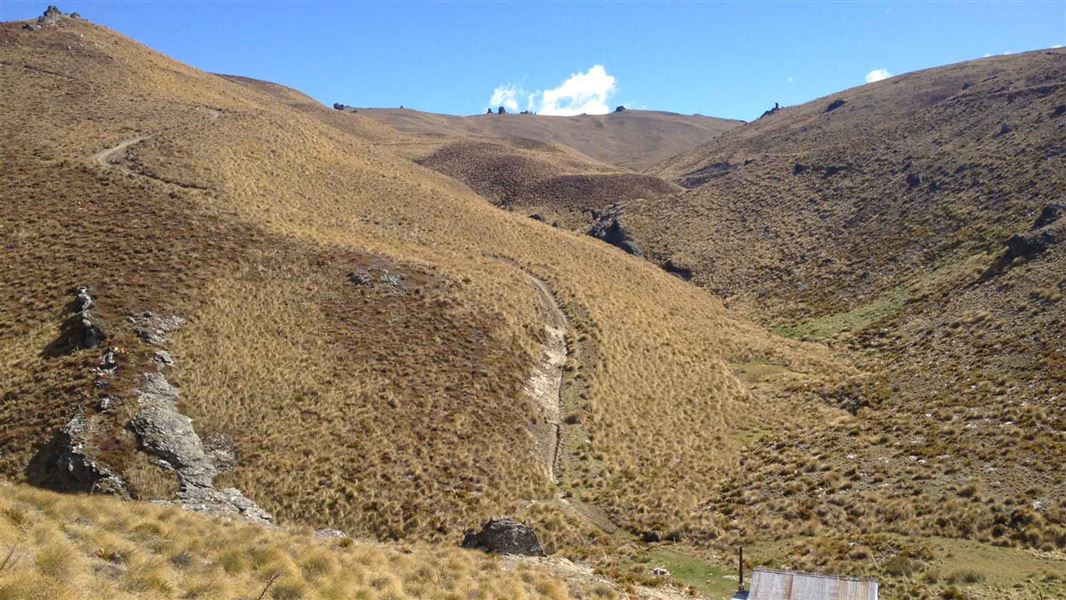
91 547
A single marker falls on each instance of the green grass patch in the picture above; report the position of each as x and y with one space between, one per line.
856 319
712 580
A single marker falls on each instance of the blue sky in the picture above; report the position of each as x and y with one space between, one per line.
726 59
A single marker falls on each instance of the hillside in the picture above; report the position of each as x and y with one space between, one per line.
633 139
356 339
225 297
914 224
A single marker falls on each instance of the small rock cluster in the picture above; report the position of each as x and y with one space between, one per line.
392 281
51 17
835 104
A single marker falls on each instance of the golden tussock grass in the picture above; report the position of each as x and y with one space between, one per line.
81 547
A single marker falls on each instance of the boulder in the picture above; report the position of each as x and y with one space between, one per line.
504 536
1030 244
1050 214
169 435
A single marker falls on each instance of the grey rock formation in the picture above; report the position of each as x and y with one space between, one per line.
51 17
505 536
1050 214
162 360
81 330
169 435
361 278
608 228
66 465
1048 230
393 281
153 329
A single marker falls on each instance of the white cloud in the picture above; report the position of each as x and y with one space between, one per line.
506 96
583 93
586 92
791 80
877 75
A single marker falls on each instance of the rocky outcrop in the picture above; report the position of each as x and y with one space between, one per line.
51 17
1048 230
170 436
773 110
835 104
66 465
504 536
153 329
608 227
81 329
1050 214
392 281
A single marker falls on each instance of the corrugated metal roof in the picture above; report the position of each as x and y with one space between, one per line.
768 584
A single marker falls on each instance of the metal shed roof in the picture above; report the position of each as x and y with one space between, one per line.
768 584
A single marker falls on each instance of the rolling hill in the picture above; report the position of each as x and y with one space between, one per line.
225 297
356 335
632 139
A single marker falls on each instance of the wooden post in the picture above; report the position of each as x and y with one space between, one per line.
740 569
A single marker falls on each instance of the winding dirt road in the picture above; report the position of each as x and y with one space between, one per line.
107 157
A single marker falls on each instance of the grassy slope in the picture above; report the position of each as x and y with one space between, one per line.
90 547
872 226
385 414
